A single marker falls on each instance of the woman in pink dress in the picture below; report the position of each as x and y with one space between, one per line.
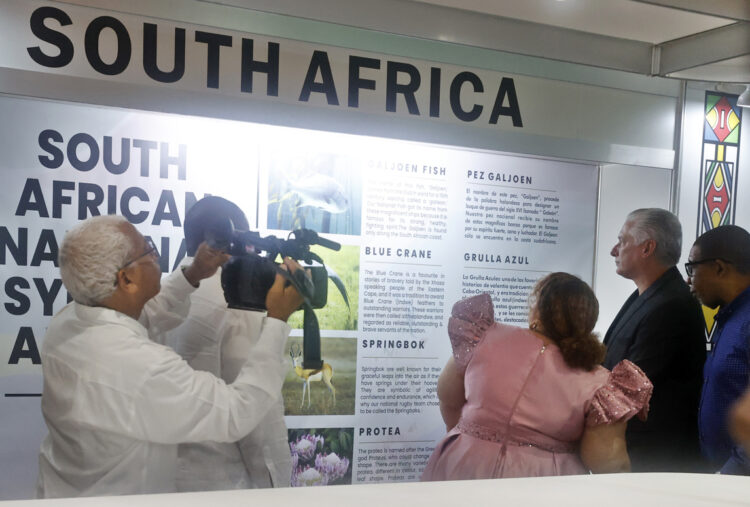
534 402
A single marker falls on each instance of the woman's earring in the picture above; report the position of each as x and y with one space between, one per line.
534 325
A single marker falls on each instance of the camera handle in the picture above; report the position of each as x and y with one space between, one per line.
311 359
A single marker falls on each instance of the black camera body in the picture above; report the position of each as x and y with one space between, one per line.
246 280
248 276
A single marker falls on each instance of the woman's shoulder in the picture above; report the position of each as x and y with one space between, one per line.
518 334
472 325
479 311
474 308
518 342
590 380
471 318
624 393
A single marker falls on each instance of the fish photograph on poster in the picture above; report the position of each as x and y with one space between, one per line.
318 191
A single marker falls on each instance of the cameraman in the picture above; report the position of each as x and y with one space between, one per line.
217 339
116 402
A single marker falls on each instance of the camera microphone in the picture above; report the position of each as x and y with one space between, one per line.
332 245
311 237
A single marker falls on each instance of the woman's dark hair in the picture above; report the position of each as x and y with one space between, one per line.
567 310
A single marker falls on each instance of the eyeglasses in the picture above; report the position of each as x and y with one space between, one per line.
150 249
689 265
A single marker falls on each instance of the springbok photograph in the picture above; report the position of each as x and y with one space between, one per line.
328 391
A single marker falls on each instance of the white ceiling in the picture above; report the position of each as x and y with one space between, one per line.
706 40
615 18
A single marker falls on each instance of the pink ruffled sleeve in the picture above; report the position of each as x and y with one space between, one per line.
626 394
470 319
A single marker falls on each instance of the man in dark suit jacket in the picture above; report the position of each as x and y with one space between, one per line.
659 328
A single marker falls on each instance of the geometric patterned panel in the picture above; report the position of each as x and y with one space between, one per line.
719 157
723 120
717 194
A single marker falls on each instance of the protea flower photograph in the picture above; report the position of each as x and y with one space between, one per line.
321 456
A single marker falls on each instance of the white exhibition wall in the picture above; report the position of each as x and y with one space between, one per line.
621 190
421 226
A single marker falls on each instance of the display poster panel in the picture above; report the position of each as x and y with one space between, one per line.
421 226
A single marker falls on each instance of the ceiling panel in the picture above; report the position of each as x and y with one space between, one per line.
625 19
735 70
687 39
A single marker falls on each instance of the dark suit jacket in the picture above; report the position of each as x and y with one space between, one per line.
662 331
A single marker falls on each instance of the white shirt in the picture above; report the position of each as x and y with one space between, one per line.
116 403
214 339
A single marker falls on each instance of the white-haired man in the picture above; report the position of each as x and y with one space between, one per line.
116 403
659 328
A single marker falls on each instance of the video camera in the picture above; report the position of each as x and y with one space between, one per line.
248 276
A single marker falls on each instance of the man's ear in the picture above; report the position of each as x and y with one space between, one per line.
125 283
648 248
722 267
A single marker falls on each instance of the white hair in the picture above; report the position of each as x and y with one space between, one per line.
661 226
91 254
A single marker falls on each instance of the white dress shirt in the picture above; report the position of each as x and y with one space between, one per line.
214 339
116 403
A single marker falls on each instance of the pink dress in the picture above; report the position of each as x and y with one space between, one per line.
525 409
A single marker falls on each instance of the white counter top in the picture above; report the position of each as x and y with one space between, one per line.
631 490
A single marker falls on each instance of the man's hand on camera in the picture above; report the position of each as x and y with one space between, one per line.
282 299
205 263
